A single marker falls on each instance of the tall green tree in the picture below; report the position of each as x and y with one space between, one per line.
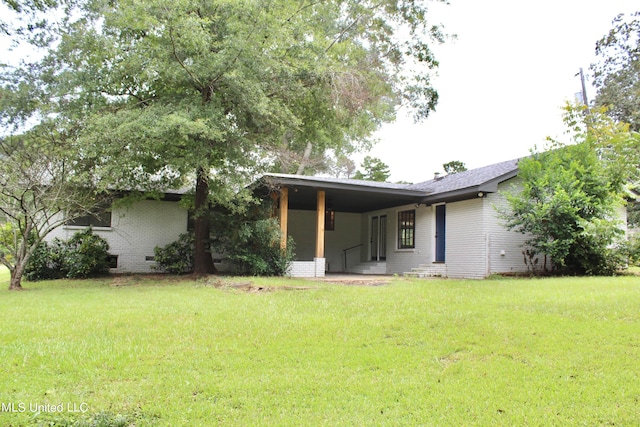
569 195
203 93
374 170
617 74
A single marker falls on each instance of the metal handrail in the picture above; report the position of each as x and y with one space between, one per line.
344 252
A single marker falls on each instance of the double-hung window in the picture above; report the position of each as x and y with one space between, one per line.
407 229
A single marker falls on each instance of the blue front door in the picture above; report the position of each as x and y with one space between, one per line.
441 213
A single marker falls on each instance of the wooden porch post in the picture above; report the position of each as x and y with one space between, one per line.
320 224
284 216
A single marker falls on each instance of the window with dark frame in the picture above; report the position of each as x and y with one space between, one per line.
329 220
407 229
100 217
112 260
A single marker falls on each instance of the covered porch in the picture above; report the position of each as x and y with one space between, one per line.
329 220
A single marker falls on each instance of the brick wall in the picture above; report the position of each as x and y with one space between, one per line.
135 231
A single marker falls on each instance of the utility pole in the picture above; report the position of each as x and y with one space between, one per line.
584 91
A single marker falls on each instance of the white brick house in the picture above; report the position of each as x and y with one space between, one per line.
134 230
447 226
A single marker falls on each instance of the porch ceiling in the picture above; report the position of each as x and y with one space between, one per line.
343 197
344 200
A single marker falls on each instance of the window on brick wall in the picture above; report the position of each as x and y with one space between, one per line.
407 229
99 217
112 260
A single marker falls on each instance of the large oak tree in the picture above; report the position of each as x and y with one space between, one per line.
204 93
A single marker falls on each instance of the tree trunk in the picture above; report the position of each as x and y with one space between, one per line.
305 158
16 279
202 261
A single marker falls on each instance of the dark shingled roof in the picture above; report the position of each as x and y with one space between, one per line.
468 179
361 196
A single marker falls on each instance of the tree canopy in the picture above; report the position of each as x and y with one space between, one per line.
40 189
374 170
454 166
568 196
205 94
617 75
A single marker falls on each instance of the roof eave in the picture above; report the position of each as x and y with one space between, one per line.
467 193
297 182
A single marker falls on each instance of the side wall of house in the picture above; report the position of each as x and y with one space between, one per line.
347 233
466 241
135 230
505 247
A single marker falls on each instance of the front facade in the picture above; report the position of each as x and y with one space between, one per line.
443 227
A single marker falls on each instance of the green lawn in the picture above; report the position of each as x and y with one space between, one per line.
4 276
552 352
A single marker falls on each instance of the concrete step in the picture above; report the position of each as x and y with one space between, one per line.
427 270
369 268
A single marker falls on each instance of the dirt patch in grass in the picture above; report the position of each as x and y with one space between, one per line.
355 280
251 288
246 286
145 279
223 282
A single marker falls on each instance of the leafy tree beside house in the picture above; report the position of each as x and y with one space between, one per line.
569 196
248 240
39 191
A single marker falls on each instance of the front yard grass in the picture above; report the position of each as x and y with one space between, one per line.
4 276
179 352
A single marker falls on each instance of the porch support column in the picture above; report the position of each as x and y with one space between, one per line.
284 216
320 224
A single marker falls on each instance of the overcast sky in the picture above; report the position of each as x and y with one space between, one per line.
502 83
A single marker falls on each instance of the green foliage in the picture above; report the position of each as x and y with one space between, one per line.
255 249
633 215
630 251
42 185
176 257
8 239
374 170
454 166
617 75
86 255
250 239
45 262
569 196
83 256
251 244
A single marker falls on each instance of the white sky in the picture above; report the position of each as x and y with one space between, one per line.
502 83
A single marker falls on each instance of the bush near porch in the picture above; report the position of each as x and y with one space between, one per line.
183 352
